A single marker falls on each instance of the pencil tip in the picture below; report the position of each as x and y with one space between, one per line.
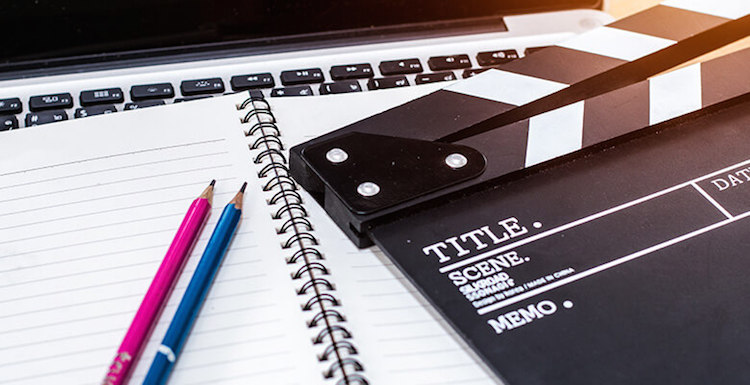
208 192
213 183
237 200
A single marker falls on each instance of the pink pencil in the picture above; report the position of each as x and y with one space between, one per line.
161 286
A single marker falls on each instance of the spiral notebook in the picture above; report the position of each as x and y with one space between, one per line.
88 207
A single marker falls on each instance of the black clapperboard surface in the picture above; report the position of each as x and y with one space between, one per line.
605 240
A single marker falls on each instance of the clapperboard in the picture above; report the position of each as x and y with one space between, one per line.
572 231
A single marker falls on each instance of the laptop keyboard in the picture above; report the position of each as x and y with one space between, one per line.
345 78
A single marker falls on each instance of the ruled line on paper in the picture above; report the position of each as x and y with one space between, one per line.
88 173
64 338
162 322
88 318
113 314
243 358
112 283
73 290
114 156
98 185
243 375
183 199
124 251
98 226
121 237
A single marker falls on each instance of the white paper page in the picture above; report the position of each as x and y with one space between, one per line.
87 211
400 337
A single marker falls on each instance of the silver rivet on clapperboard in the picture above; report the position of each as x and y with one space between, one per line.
456 160
336 155
368 189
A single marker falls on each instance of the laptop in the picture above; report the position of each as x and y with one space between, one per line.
74 59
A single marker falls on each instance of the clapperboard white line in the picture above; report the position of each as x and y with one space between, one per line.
713 201
586 219
610 264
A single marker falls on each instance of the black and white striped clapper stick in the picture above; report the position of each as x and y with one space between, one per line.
590 116
641 68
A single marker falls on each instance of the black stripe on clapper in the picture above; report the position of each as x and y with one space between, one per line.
618 77
668 22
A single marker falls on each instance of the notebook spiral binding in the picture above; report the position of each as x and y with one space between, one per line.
306 261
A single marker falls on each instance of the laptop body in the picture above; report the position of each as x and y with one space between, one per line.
73 59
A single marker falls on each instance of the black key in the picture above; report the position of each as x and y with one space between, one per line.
94 110
37 118
441 63
104 96
10 106
191 98
391 82
436 77
292 91
342 87
151 91
352 71
531 50
310 75
253 81
144 104
471 72
202 86
50 102
399 67
255 94
496 57
8 123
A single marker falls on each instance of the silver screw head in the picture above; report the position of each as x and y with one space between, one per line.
456 160
368 189
336 155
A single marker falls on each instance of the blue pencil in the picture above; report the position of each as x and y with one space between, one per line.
195 294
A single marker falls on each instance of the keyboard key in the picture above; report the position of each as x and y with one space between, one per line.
10 106
352 71
8 123
442 63
471 72
252 81
436 77
399 67
144 104
255 94
151 91
341 87
391 82
94 110
37 118
202 86
103 96
530 50
311 75
191 98
50 102
292 91
496 57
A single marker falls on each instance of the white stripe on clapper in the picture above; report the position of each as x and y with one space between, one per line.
555 133
506 87
674 94
617 43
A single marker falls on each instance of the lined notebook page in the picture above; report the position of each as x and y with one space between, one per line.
87 211
400 338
